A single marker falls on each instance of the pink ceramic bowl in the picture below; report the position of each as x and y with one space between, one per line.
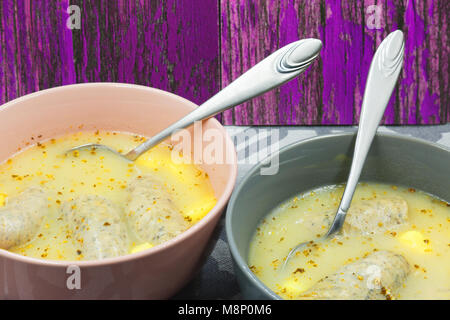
156 273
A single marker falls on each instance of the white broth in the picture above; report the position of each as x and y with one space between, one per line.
423 240
100 178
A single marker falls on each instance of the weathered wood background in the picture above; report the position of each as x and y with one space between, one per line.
195 47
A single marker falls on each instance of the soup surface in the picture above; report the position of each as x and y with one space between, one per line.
103 179
423 240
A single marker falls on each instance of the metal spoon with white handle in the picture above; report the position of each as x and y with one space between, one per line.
384 71
278 68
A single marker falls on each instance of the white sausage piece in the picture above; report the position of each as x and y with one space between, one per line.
375 277
376 215
21 217
98 226
152 215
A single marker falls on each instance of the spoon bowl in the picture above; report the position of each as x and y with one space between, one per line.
96 146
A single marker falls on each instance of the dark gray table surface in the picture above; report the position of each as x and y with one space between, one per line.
216 278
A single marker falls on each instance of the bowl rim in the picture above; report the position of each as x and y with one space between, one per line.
238 259
216 210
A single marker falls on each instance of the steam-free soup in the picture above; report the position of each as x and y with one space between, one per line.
395 245
92 204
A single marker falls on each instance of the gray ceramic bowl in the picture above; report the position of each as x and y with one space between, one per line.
323 161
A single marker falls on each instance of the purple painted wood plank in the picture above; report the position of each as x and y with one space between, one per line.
331 91
36 47
172 45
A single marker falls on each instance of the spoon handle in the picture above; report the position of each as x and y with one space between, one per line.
384 71
278 68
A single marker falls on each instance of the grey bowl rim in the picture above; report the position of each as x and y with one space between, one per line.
238 260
